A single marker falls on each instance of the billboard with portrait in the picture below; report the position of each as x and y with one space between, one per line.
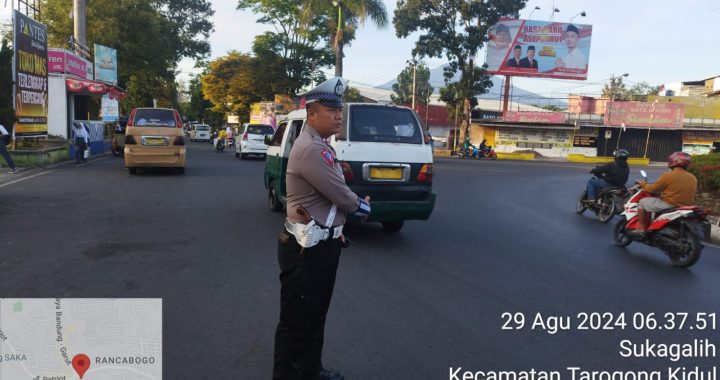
31 83
543 49
105 64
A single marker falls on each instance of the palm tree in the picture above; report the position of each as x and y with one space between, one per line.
350 14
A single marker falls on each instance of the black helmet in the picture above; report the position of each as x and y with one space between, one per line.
621 154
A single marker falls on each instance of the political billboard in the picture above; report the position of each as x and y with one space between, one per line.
105 64
543 49
31 83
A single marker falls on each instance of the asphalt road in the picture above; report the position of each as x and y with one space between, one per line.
503 238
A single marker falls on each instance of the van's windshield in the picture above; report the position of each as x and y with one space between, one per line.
384 124
202 128
260 129
154 118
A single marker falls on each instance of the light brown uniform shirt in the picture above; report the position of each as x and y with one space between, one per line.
676 187
315 180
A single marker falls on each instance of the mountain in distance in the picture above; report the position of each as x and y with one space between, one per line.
437 80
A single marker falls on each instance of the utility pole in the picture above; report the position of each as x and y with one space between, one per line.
468 91
79 21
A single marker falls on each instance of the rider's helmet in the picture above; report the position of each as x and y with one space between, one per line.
680 159
621 154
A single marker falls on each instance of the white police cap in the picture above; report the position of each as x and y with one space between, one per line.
328 93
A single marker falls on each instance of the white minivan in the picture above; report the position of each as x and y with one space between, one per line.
200 132
251 139
384 153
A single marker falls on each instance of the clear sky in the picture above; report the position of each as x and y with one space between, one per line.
657 41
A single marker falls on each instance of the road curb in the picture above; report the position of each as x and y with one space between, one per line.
35 170
715 233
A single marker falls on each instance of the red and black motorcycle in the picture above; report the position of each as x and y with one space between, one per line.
677 231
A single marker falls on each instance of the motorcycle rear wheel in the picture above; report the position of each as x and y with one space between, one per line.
620 234
580 207
606 211
693 253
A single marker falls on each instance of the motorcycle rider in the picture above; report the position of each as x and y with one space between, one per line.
221 139
676 188
466 147
615 174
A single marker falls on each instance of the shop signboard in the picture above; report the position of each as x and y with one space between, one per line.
535 117
642 114
31 76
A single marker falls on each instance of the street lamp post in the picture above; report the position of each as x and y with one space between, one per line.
581 14
537 8
552 15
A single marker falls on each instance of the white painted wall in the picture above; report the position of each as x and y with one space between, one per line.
57 105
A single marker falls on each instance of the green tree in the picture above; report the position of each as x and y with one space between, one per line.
295 51
7 114
352 95
640 91
457 30
550 107
615 89
404 87
199 108
341 29
231 83
150 37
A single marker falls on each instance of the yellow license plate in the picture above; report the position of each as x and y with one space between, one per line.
154 141
386 173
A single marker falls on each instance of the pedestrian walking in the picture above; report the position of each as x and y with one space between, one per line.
309 248
5 137
82 139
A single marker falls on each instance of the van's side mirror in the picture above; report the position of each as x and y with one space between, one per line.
268 139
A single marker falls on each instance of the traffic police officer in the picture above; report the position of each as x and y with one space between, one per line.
309 248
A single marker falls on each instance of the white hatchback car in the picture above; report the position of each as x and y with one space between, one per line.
251 139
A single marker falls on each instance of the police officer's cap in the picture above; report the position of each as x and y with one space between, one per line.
328 93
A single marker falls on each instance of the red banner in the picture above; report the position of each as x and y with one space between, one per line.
641 114
536 117
93 88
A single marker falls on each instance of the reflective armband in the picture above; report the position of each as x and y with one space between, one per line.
363 209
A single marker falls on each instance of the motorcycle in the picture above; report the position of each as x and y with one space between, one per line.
488 152
474 152
609 202
677 231
219 145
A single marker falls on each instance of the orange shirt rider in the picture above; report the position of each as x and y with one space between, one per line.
676 187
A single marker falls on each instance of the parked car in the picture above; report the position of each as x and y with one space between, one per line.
118 138
154 138
384 153
200 132
251 140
